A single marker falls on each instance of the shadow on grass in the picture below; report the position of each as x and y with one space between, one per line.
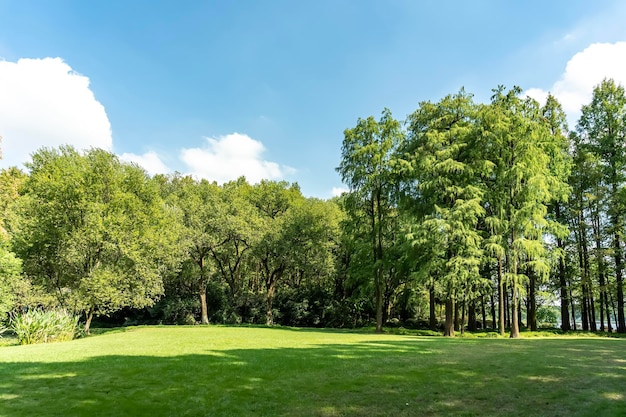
377 378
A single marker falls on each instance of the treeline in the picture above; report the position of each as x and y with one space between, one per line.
466 215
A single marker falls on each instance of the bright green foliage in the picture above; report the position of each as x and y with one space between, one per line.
602 133
237 230
13 288
38 326
93 231
441 167
11 284
366 168
277 204
199 206
521 184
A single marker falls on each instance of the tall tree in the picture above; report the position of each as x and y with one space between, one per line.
560 165
200 207
521 185
602 127
366 168
93 231
442 167
276 202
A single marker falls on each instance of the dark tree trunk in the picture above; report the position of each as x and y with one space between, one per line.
565 324
471 316
457 318
573 309
432 322
463 318
531 314
483 311
501 300
507 307
621 324
584 316
493 312
449 324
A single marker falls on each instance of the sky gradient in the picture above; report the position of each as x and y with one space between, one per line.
265 89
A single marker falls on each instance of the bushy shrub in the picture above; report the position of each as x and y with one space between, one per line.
39 326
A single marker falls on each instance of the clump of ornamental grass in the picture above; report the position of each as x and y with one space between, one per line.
41 326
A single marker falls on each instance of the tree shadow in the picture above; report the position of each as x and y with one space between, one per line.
372 378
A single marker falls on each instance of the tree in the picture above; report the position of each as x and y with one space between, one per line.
93 230
602 129
200 207
366 168
275 202
521 185
442 167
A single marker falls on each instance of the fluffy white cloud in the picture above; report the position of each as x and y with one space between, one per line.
337 191
43 102
150 161
582 73
228 157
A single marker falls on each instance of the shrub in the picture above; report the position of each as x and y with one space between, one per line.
38 326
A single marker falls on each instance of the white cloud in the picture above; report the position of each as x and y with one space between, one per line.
150 161
582 73
228 157
43 102
337 191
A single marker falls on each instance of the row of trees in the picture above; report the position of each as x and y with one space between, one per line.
497 197
466 210
100 235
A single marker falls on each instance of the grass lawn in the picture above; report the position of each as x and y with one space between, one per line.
240 371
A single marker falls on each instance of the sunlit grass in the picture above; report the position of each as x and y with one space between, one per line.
224 371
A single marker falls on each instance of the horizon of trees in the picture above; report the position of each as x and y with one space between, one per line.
474 215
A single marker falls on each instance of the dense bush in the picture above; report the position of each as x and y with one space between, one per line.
38 326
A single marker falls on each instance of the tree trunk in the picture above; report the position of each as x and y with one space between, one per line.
514 316
203 306
471 316
514 298
463 317
565 324
457 318
449 325
269 300
531 314
204 312
501 297
493 311
379 308
88 318
573 308
621 324
483 311
432 319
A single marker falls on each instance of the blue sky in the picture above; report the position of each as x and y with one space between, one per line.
265 88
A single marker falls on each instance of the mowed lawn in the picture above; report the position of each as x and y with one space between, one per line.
239 371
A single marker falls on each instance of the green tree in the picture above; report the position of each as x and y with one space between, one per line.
602 129
200 207
521 185
93 231
273 253
441 166
365 167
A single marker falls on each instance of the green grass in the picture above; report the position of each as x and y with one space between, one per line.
246 371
